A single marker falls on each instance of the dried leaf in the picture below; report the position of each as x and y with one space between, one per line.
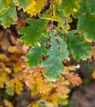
73 78
62 88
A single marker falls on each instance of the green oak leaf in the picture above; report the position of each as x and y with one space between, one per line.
67 6
35 54
23 3
79 48
70 35
32 33
86 23
54 67
91 4
8 16
4 4
56 54
63 20
63 48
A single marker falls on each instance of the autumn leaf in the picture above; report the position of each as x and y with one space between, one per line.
8 103
62 88
93 74
73 78
35 7
3 79
18 87
93 52
43 87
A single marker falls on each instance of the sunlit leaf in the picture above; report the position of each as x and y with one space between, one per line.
8 16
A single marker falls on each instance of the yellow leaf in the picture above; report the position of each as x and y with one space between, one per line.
35 105
3 57
18 87
17 67
7 103
43 87
3 79
15 49
1 84
93 74
53 99
7 70
35 7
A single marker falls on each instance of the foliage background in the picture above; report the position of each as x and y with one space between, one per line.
21 86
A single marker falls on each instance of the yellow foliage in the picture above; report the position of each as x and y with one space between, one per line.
35 7
3 79
3 57
43 87
18 87
17 67
7 70
35 105
1 84
93 74
7 103
52 98
15 49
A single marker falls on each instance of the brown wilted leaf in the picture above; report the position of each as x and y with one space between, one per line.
73 78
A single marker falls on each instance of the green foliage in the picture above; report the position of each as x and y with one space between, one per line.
3 5
79 48
86 24
33 32
35 59
86 19
8 16
23 4
57 43
57 53
67 6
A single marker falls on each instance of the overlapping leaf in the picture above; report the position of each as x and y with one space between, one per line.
53 63
67 6
86 21
73 78
8 16
23 4
79 48
63 20
86 24
33 32
91 4
35 54
4 4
